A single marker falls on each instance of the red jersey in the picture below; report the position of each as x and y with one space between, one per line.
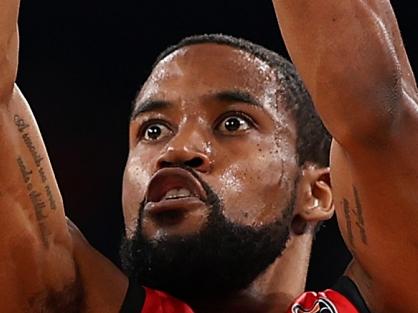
160 302
343 298
329 301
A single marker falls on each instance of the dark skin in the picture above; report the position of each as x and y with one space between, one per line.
369 105
43 255
194 124
191 119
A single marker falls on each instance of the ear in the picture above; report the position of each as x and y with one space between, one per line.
314 202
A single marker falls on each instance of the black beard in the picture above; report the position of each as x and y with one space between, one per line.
223 258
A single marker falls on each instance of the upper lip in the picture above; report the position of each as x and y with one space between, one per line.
167 179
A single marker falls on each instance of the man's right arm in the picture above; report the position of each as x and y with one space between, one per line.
44 265
36 247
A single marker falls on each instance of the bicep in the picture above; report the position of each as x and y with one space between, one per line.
26 172
376 205
35 238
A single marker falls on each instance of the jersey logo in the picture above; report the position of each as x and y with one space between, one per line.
321 305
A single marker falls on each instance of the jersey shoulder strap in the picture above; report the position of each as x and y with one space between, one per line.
348 288
134 299
145 300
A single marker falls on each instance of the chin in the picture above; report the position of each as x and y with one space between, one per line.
188 248
216 260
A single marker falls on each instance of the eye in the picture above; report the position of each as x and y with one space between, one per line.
234 124
155 132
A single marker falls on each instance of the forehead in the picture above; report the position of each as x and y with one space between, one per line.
198 70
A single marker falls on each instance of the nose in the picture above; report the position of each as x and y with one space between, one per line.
186 152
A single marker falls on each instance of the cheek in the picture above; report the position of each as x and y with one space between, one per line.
135 180
256 186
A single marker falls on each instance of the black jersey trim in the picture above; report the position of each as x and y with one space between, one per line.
134 299
348 289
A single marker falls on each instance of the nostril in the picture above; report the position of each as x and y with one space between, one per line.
194 163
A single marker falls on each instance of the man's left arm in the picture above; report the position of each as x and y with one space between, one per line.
351 58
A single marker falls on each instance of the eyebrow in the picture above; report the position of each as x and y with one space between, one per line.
229 96
149 105
232 96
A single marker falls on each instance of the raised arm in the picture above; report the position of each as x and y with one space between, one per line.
351 57
45 266
35 245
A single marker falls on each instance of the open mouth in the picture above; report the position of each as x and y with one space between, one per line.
172 193
178 193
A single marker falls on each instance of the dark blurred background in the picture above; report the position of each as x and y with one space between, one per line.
80 67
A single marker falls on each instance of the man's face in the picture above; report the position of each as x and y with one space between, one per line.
210 145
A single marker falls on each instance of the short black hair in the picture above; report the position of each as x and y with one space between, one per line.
313 140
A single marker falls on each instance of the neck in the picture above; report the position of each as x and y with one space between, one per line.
274 290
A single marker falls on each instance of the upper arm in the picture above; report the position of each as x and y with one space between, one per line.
36 259
44 267
376 204
351 58
36 247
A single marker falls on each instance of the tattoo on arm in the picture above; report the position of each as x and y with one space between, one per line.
359 215
346 207
354 216
41 196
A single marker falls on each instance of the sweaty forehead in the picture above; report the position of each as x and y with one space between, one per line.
200 69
